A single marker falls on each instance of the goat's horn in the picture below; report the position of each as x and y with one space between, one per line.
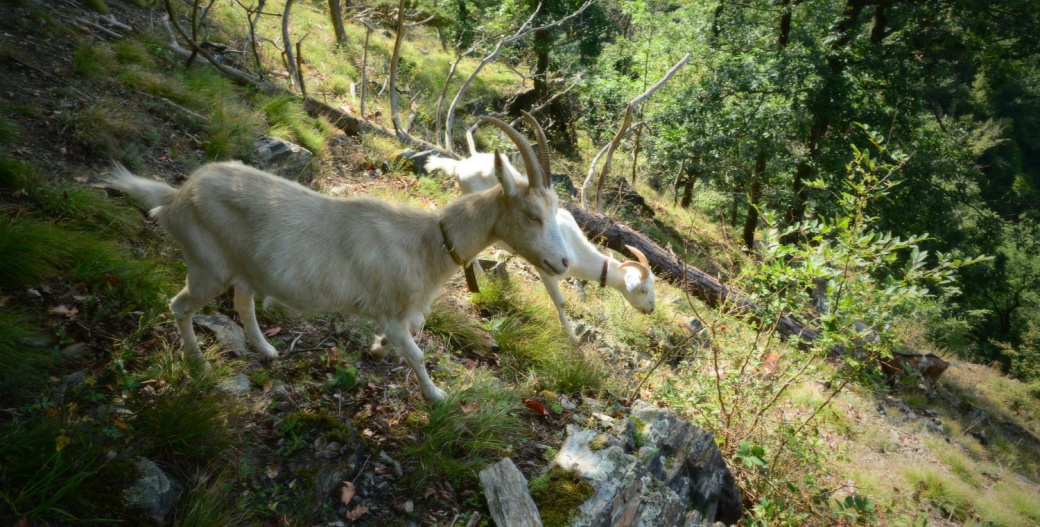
543 145
639 255
644 271
526 151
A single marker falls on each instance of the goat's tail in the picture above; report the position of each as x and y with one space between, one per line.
955 364
446 164
153 194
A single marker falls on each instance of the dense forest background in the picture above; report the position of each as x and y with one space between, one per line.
868 170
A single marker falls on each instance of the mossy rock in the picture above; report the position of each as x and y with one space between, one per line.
559 498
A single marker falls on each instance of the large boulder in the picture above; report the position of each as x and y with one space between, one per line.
283 158
651 469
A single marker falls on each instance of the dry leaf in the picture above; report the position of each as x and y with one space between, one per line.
468 408
267 385
272 471
470 363
346 492
358 512
274 331
121 425
534 405
64 311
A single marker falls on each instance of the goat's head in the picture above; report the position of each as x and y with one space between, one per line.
528 219
639 282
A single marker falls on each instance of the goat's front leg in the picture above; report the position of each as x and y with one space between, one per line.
552 285
399 337
246 308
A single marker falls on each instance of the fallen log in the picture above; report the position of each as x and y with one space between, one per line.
666 266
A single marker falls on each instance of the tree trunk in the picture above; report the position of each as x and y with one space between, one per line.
541 67
691 178
844 31
336 14
667 267
751 221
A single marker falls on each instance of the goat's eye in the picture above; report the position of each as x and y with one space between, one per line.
534 217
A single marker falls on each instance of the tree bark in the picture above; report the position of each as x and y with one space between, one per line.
751 221
290 61
336 14
666 266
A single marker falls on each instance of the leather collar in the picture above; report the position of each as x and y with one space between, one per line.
603 274
450 247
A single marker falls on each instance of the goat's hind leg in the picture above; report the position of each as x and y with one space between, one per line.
246 308
197 292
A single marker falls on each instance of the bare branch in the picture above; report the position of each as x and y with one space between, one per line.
622 130
394 60
290 61
520 33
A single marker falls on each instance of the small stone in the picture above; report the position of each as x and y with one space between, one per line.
237 385
226 331
74 351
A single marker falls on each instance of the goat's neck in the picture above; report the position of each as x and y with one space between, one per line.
589 266
469 222
615 276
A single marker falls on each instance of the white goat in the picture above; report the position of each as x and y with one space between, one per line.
267 236
633 280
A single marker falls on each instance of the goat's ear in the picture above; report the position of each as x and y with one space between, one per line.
504 177
631 280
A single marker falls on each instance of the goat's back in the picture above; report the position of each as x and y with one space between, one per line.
308 251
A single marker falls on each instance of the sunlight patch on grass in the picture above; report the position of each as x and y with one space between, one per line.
951 495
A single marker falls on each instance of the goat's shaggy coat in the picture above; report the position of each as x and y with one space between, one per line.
268 237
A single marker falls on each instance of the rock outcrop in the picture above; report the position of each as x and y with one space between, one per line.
652 469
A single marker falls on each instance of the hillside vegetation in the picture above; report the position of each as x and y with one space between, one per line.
909 201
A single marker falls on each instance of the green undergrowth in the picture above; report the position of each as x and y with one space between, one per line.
531 342
477 425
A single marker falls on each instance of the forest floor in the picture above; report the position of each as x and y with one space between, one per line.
325 414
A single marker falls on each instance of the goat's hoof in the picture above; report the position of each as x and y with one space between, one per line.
435 395
380 348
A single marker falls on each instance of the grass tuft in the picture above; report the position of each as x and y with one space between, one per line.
206 503
458 439
953 496
188 421
290 121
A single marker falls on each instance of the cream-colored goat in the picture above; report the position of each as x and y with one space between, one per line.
633 279
268 237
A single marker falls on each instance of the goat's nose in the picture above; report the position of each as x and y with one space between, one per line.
566 264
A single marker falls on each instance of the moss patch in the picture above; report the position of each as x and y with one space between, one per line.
560 497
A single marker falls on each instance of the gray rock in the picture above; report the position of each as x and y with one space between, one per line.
237 385
327 480
507 496
283 158
75 351
677 468
226 331
154 493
